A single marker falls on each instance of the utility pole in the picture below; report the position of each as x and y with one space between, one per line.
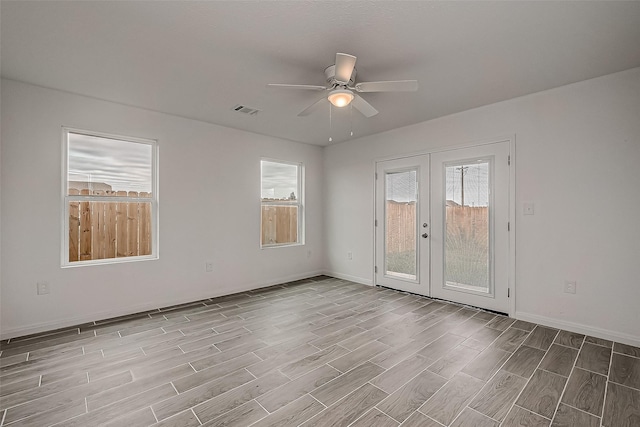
463 171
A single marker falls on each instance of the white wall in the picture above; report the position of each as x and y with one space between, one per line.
578 157
209 210
578 160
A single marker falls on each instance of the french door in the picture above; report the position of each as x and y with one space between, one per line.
402 213
442 225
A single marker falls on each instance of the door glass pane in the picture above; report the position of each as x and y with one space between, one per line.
467 226
401 227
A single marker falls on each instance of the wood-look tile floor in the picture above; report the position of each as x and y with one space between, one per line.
318 352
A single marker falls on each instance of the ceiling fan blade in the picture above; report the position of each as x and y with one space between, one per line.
363 106
311 108
390 86
303 87
344 67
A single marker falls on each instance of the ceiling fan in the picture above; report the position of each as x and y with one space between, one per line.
344 90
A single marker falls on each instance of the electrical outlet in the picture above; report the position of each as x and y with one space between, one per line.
208 266
42 288
350 256
570 287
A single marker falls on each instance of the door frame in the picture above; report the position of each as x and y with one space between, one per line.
511 139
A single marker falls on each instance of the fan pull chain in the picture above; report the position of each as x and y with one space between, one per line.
330 124
351 117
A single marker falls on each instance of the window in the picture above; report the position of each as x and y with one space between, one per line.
110 196
282 203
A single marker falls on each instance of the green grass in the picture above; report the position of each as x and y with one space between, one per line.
466 261
402 262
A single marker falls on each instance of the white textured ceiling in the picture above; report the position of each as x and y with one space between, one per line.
199 59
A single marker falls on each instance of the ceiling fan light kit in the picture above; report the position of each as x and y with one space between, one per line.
340 97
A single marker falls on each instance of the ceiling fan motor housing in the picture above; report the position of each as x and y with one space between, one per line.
330 74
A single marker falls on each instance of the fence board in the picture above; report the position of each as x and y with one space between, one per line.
121 227
279 224
145 226
268 225
401 227
293 225
468 220
110 228
74 227
97 225
132 226
283 231
85 228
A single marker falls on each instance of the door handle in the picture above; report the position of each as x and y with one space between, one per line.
425 235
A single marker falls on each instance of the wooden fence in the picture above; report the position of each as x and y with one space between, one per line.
279 224
469 222
401 224
103 230
401 227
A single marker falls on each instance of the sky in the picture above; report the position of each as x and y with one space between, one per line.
476 184
401 186
126 166
279 180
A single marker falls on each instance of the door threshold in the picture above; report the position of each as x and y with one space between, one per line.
447 301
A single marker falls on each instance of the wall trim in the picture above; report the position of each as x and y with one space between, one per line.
348 277
107 314
580 328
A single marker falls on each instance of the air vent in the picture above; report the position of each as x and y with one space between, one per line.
246 110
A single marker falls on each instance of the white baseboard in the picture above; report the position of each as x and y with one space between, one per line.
542 320
580 328
151 305
349 278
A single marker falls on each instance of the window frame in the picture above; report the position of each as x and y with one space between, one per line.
67 199
299 202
